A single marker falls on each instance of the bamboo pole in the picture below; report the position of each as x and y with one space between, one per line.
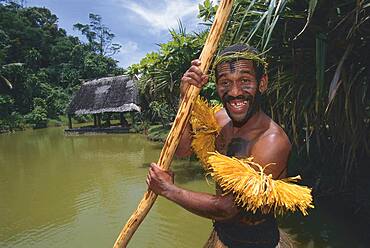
179 124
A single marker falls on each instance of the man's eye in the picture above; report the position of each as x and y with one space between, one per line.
225 83
246 80
247 84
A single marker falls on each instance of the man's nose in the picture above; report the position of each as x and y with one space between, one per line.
235 90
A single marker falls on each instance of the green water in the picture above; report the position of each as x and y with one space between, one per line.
59 191
78 191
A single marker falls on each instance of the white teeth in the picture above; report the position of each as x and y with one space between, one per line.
238 104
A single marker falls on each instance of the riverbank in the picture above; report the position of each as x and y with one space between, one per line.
62 120
158 133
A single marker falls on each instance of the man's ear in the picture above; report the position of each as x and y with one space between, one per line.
263 83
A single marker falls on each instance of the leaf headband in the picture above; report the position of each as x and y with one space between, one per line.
247 55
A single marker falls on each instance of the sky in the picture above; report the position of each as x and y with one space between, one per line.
138 25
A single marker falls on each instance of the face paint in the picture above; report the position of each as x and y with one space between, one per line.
238 90
248 87
232 66
237 147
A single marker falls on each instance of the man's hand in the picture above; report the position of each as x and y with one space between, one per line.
193 76
158 180
216 207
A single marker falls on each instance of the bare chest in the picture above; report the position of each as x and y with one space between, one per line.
235 144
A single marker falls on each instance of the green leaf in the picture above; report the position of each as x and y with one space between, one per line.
7 82
336 81
311 9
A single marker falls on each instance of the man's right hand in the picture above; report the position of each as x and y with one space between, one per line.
193 76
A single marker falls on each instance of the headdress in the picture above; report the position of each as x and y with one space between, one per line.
247 55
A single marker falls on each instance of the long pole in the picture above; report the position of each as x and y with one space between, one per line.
179 124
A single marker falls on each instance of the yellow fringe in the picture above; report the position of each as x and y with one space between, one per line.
252 189
205 129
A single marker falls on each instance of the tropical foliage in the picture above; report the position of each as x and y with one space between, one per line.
160 73
41 66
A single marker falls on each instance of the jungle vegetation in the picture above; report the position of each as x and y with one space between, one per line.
41 66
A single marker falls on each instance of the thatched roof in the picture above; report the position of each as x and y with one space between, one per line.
110 94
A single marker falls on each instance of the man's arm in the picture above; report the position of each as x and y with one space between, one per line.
216 207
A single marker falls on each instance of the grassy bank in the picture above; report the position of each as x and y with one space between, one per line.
158 133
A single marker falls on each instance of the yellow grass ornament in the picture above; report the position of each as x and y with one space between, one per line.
205 129
252 189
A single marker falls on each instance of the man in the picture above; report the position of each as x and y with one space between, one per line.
241 79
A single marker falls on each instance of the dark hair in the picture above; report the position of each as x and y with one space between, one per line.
243 48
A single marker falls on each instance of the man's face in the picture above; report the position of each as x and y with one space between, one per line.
237 88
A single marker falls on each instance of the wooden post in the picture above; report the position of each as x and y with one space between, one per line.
179 124
132 117
108 119
99 120
123 120
69 121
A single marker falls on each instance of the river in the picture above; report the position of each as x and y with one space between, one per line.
78 191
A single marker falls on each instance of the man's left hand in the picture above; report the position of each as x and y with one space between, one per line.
158 180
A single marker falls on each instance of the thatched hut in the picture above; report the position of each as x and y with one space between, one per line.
105 95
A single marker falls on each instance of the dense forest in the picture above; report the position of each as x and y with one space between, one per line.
41 66
318 54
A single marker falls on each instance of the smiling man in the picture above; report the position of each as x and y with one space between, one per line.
246 131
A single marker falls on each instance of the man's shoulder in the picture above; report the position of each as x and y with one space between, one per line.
273 146
274 135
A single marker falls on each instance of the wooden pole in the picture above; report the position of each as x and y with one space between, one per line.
179 124
70 121
99 120
121 119
108 119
